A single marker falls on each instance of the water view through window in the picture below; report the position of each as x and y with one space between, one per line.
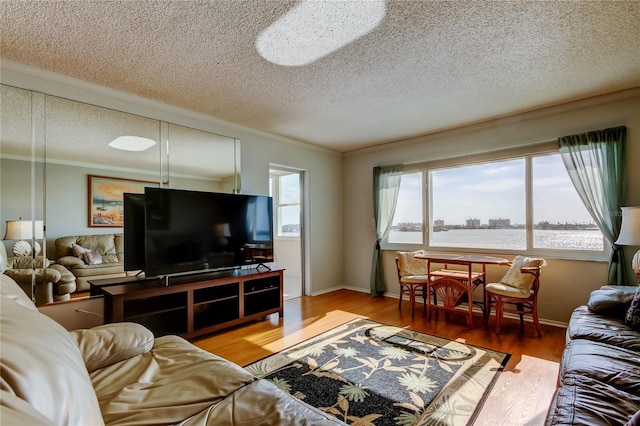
485 206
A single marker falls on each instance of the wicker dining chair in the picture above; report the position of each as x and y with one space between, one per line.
518 289
412 277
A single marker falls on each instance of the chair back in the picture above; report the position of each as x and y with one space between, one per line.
524 273
408 265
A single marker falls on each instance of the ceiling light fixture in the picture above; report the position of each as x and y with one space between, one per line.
132 143
314 29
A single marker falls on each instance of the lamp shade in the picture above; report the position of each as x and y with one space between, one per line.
630 230
23 229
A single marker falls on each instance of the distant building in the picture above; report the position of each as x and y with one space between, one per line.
438 225
499 223
473 223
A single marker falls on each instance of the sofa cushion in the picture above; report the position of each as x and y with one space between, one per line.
111 343
601 328
261 403
93 270
585 401
44 366
27 262
110 246
16 411
173 381
617 367
11 291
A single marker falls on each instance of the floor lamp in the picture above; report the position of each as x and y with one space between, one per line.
630 234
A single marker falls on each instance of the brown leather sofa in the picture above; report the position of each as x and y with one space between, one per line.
599 377
109 246
119 374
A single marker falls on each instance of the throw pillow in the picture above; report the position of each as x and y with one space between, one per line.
610 302
518 279
632 319
410 265
89 257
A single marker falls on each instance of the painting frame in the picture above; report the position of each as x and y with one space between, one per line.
106 200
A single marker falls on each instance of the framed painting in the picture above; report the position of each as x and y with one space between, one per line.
106 206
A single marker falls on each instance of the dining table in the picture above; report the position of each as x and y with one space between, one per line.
455 286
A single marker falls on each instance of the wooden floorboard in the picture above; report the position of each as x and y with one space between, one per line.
520 396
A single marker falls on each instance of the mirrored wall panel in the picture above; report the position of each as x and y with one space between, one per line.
65 165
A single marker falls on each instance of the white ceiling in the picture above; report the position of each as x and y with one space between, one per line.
428 65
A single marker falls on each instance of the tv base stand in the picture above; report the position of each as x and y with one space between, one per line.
193 305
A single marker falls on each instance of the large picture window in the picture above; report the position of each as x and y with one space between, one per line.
481 206
526 203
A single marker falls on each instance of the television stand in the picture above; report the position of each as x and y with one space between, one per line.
193 305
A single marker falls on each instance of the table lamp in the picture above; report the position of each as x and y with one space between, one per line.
630 234
22 230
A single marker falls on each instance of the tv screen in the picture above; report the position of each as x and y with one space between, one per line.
134 231
189 231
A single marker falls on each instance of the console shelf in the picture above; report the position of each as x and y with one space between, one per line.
192 305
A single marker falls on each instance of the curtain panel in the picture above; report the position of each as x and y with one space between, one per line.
596 165
386 185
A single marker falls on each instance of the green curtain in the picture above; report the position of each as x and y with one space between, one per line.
596 165
386 185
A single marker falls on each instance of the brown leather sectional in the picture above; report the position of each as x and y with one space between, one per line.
599 377
119 374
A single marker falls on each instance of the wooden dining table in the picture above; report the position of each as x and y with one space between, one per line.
455 286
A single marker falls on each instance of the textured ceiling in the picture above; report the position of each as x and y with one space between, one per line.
428 65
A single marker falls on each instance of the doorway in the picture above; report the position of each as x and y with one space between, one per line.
286 187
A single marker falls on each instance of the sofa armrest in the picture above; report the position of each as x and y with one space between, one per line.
41 275
111 343
70 261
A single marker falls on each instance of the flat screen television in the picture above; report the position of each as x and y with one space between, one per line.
191 231
134 206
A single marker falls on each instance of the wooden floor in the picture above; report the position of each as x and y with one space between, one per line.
521 395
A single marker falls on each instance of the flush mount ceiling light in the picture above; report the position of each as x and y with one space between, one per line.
132 143
314 29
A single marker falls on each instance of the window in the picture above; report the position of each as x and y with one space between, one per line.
480 206
560 219
284 187
526 204
406 227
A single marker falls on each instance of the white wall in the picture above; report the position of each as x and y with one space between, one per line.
258 152
565 283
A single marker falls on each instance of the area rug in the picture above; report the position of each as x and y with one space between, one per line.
367 373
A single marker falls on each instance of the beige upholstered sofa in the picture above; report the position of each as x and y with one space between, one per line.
52 282
109 246
119 374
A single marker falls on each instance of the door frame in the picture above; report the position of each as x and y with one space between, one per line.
304 216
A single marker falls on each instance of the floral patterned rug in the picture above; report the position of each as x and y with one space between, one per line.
367 373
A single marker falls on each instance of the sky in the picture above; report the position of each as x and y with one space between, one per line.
495 190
